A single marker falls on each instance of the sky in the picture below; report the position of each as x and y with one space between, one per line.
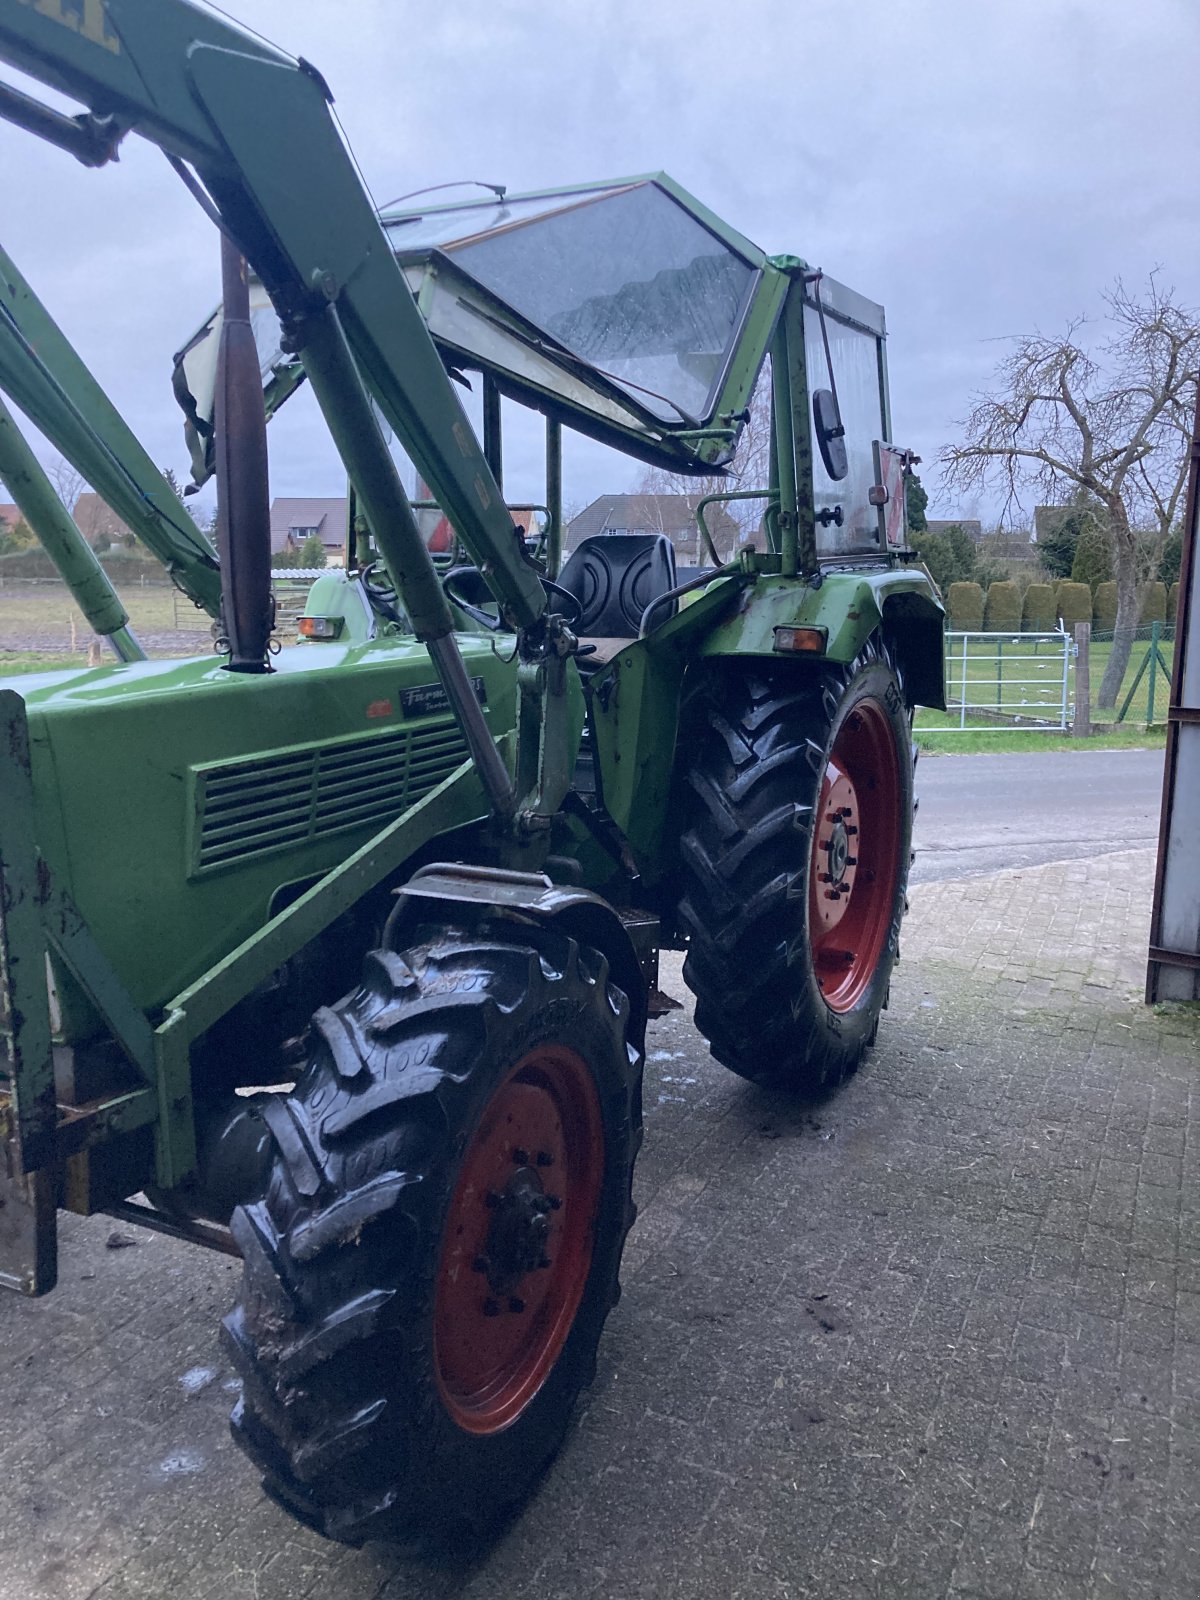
983 168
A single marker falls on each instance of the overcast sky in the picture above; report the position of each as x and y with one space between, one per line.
982 167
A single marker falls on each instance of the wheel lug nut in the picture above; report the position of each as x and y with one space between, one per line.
515 1303
850 830
521 1157
491 1308
544 1158
851 861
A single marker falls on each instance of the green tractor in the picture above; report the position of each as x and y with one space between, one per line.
339 956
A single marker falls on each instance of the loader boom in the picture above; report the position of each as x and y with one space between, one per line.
255 125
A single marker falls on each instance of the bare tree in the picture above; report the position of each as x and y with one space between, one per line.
68 484
1113 424
749 469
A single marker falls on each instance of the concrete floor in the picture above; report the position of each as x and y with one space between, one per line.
939 1336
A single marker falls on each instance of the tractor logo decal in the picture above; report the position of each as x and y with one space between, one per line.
87 18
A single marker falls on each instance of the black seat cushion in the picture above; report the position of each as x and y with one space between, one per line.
615 576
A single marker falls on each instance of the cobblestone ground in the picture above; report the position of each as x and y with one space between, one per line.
938 1336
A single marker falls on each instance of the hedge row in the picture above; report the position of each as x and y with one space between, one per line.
1002 610
124 566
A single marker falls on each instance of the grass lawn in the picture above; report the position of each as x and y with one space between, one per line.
1006 741
1010 679
14 661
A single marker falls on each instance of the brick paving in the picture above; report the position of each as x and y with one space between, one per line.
938 1336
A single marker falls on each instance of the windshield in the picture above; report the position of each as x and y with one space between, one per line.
627 279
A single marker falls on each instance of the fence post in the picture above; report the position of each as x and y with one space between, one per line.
1083 682
1155 630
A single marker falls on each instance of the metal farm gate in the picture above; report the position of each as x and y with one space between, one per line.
1002 681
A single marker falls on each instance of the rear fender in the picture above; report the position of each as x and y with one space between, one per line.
850 607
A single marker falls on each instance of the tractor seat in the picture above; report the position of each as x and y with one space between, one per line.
614 577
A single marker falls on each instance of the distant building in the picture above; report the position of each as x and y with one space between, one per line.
295 520
973 530
98 522
1047 520
672 514
10 515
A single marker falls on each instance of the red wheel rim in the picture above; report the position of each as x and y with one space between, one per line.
517 1245
855 856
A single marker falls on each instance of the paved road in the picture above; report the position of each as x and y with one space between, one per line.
982 813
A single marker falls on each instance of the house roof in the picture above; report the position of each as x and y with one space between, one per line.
327 514
672 514
94 518
1048 519
972 529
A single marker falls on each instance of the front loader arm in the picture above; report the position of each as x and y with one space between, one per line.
256 127
44 375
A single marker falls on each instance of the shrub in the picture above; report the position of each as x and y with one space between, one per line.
965 601
1038 613
1104 611
1074 603
1002 611
1093 556
1173 602
1154 603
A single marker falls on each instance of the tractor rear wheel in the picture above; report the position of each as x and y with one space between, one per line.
428 1273
797 829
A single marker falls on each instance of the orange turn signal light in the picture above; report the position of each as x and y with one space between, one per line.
320 627
801 641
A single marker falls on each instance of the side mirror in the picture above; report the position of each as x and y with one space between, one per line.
831 435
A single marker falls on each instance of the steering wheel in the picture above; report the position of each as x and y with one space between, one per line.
452 586
460 578
575 615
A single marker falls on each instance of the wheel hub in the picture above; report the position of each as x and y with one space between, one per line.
854 859
517 1238
519 1231
839 851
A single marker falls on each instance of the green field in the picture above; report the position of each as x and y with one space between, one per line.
41 619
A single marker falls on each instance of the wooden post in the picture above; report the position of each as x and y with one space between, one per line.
1082 725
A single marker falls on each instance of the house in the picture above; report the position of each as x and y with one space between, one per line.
10 515
295 520
973 530
672 514
99 523
1047 520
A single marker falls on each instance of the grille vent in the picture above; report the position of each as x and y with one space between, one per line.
246 808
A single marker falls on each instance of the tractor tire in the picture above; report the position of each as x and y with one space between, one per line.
797 805
429 1269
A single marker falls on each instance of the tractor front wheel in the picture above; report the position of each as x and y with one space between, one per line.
430 1268
797 828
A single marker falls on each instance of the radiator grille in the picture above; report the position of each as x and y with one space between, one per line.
245 808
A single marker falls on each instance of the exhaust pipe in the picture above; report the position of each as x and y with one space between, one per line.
243 494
